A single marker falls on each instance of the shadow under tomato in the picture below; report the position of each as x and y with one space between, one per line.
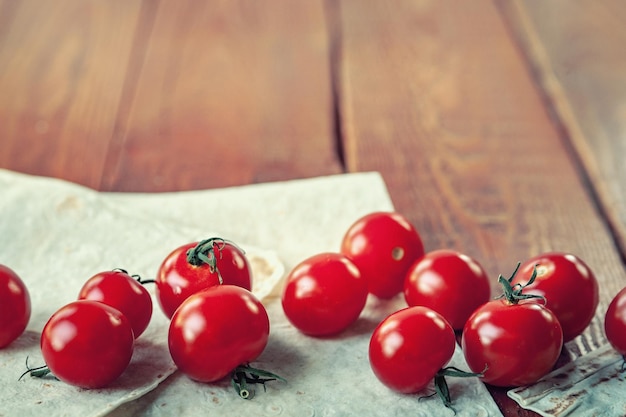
151 363
27 340
281 357
364 326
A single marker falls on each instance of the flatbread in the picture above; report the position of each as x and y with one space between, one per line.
74 231
55 236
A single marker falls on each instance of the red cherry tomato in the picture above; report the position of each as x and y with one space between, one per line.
383 246
119 290
324 294
87 344
15 307
569 287
196 266
409 347
615 322
216 330
449 282
516 343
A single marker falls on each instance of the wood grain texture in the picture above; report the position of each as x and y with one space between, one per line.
576 51
237 92
62 71
436 97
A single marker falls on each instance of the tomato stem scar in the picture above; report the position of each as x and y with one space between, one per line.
441 385
397 253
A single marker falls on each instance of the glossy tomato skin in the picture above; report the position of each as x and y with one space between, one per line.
383 245
409 347
87 344
119 290
615 322
324 294
177 279
569 287
15 306
216 330
516 343
451 283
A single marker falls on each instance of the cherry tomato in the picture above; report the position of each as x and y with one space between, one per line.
87 344
15 306
216 330
615 322
383 246
324 294
569 287
409 347
196 266
119 290
449 282
516 343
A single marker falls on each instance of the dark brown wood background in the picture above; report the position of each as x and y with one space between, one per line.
498 126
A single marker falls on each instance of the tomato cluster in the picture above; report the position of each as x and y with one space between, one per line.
382 254
198 265
217 326
326 293
514 339
90 342
510 341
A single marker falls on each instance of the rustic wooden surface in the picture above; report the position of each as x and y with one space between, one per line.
498 126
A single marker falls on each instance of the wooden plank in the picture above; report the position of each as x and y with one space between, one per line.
576 50
62 70
235 92
481 168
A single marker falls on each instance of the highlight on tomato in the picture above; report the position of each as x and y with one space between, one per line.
121 291
87 344
569 287
411 348
198 265
451 283
324 294
15 306
383 245
615 322
217 332
515 339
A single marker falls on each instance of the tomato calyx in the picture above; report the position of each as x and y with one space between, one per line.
441 385
206 252
244 378
514 293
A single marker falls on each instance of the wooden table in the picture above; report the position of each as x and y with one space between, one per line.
498 126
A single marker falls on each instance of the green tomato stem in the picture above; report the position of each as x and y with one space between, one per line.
514 293
244 375
38 372
441 385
